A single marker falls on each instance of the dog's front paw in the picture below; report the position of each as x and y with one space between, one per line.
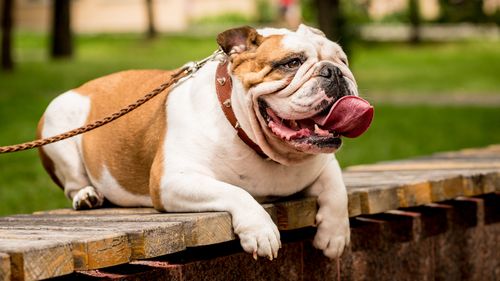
259 236
332 236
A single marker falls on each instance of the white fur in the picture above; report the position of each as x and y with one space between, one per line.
64 113
111 189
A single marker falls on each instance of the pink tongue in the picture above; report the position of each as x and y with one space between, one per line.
350 116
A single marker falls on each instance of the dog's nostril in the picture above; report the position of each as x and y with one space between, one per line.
338 72
329 71
326 72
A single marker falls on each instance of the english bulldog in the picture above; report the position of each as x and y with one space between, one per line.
261 120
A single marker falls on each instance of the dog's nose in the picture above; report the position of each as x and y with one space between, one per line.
328 71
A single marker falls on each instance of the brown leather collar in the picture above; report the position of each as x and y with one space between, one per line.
223 87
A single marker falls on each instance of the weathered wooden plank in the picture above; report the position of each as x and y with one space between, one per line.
4 267
490 183
198 228
146 240
34 260
214 227
377 199
91 249
428 165
296 214
101 211
447 188
208 228
368 178
354 203
422 187
415 194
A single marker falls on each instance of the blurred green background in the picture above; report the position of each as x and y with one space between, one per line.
432 96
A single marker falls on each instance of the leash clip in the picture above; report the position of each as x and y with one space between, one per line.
193 66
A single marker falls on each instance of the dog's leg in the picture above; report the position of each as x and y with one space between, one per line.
70 170
66 112
188 192
332 218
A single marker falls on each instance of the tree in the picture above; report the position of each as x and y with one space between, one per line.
151 33
7 63
453 11
329 18
331 21
62 39
414 15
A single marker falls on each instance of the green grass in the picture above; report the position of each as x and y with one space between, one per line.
397 132
405 131
463 68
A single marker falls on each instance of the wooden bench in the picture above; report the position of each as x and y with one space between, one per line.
61 242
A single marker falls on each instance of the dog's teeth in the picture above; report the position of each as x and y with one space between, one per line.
317 130
294 124
320 132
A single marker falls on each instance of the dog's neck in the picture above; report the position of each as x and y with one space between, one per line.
224 88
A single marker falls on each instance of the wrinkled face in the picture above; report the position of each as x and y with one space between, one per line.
294 80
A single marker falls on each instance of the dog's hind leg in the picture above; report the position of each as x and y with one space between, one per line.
63 160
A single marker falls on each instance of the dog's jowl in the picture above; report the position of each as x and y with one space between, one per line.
262 119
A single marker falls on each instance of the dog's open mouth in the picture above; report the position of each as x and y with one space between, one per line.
349 116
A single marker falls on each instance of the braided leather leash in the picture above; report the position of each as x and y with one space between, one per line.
180 73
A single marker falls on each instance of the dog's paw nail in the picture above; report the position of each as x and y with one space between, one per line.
255 256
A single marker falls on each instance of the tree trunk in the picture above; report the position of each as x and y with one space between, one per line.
7 62
414 14
62 41
332 22
329 18
151 33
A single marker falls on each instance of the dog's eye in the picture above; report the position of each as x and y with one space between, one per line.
292 64
344 61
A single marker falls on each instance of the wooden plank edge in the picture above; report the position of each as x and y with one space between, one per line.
90 249
5 274
150 242
35 260
100 211
409 166
145 239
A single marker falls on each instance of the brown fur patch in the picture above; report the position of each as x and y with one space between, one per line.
127 146
155 180
47 163
256 66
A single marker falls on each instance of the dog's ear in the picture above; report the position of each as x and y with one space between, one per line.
239 39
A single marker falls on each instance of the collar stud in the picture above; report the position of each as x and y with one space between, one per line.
221 81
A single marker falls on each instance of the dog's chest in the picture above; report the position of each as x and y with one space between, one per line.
264 178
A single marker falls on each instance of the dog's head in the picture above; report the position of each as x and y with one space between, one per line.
296 90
